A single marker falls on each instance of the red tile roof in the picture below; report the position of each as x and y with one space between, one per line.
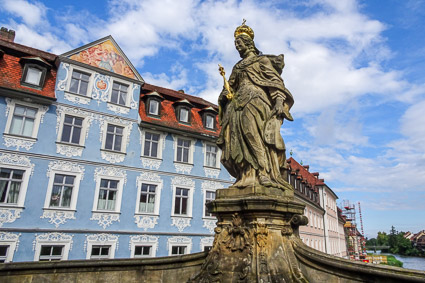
11 69
168 117
311 178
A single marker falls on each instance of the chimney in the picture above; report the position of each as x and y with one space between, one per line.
7 35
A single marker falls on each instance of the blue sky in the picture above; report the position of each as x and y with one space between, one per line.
355 69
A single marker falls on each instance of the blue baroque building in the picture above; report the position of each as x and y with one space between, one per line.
94 163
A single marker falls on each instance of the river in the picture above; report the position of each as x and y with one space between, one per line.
411 262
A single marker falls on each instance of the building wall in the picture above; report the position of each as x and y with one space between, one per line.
27 227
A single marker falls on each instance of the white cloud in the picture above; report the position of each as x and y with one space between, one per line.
31 13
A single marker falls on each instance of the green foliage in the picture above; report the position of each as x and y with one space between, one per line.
382 239
398 244
393 261
372 242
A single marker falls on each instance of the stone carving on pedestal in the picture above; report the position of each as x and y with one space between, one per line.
254 235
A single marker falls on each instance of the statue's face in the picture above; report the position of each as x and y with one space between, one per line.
240 46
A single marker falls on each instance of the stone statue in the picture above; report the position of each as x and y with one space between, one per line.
254 103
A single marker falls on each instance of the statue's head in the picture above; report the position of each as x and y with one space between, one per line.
246 35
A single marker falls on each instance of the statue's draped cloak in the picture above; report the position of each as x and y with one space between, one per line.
250 133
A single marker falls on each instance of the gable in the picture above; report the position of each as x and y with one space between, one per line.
105 54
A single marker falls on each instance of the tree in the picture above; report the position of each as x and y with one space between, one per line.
371 242
382 239
392 238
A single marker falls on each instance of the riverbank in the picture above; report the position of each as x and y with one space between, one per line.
410 262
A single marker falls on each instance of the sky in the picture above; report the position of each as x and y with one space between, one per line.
354 67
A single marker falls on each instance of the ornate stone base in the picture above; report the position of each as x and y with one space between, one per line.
254 237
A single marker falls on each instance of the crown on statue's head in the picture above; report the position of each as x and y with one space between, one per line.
244 29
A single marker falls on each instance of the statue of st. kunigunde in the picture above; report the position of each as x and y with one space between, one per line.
253 105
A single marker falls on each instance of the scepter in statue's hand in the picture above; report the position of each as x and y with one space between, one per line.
226 83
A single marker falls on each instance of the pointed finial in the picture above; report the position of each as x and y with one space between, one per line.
301 162
243 21
291 152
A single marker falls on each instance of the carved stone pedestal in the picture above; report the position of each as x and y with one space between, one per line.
253 238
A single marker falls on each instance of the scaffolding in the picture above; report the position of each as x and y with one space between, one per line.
363 240
350 226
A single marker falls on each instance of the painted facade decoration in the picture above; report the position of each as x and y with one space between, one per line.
105 56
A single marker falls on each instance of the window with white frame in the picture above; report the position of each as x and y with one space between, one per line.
211 155
23 120
179 245
108 193
10 185
178 250
143 246
61 195
183 114
3 253
51 252
33 76
71 129
119 93
147 198
100 252
181 201
114 137
183 150
63 187
209 197
151 144
79 82
52 246
209 121
153 107
143 251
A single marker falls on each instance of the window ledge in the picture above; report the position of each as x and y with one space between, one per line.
181 216
78 95
146 214
70 144
183 163
37 87
113 151
209 218
150 157
11 206
210 167
154 116
106 212
32 139
120 105
59 209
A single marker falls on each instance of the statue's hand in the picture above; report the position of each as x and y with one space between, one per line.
279 110
222 99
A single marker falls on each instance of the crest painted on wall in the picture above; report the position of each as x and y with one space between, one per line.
105 54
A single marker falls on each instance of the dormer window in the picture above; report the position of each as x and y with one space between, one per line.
33 76
208 118
184 115
209 121
183 112
153 104
34 72
153 107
